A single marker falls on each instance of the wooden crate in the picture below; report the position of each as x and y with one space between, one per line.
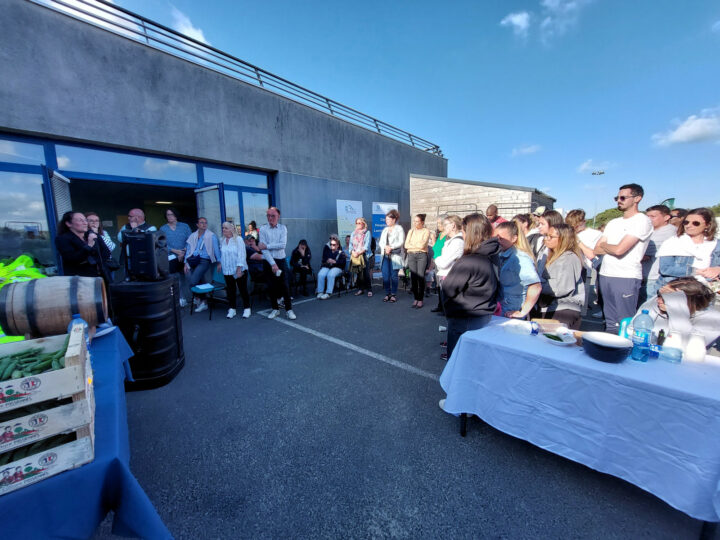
28 428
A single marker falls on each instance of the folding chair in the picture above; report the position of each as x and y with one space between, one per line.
209 294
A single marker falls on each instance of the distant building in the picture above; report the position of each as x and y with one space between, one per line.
433 195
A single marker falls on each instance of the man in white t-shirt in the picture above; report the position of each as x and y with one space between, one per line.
662 230
623 246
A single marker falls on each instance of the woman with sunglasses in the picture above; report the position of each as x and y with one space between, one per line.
563 290
359 250
693 252
333 264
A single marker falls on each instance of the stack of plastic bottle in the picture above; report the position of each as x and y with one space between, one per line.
641 336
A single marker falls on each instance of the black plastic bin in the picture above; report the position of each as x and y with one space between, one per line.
148 314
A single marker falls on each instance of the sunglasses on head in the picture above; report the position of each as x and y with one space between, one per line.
622 198
693 223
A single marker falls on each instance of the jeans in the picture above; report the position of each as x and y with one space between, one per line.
329 274
231 283
648 289
390 276
417 263
197 274
457 326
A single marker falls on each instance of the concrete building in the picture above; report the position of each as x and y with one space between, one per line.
435 196
133 114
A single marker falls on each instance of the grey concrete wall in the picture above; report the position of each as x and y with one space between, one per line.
309 210
64 78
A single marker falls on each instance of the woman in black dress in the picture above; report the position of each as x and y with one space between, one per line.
81 252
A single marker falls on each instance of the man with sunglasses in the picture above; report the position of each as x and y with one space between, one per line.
623 245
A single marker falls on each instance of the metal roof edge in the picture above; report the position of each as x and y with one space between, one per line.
478 183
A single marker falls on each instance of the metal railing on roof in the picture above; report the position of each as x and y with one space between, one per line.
128 24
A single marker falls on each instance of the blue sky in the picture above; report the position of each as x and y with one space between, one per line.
537 93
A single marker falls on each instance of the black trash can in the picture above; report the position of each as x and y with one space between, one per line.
148 314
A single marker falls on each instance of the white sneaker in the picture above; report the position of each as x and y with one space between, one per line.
319 296
246 313
291 315
202 307
325 296
441 404
231 313
274 313
183 302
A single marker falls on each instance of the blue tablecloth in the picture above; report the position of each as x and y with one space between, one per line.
72 504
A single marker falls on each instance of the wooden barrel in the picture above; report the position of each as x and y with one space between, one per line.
44 307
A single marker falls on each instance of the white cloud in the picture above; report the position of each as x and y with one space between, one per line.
558 16
184 25
695 128
519 22
716 27
63 162
525 150
590 165
157 166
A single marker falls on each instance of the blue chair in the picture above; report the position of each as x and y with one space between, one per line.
209 294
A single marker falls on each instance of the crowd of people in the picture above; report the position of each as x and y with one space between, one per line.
533 265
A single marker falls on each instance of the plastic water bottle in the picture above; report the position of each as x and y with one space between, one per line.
642 331
77 319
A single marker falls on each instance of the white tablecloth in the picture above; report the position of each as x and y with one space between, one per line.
654 424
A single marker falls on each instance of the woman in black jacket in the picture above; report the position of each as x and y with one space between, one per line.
81 252
300 263
470 289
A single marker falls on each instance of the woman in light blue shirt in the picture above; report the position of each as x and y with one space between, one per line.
519 281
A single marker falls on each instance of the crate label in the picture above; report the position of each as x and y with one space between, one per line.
51 385
31 469
34 427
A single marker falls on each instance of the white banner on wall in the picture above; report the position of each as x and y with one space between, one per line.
379 209
347 213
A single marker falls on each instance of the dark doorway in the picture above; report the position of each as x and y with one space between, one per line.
112 200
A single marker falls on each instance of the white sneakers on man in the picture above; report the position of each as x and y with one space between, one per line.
183 302
202 306
231 313
323 296
246 313
291 315
274 313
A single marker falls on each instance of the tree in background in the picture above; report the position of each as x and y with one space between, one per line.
603 217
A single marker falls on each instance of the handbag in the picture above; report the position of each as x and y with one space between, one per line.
193 261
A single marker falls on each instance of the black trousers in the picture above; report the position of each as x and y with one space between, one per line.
302 276
233 283
363 278
417 263
278 286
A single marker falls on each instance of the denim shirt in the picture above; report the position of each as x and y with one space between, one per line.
517 273
672 267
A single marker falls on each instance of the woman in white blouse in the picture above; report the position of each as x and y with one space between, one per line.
234 268
391 245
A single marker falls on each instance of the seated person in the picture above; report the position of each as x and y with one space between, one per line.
333 263
254 259
685 305
300 263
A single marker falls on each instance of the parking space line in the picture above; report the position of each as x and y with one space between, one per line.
355 348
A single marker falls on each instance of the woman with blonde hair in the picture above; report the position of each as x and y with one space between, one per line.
359 252
563 290
233 265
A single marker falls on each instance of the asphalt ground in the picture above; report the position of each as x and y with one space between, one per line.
329 427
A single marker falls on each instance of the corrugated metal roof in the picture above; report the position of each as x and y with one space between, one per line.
485 184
